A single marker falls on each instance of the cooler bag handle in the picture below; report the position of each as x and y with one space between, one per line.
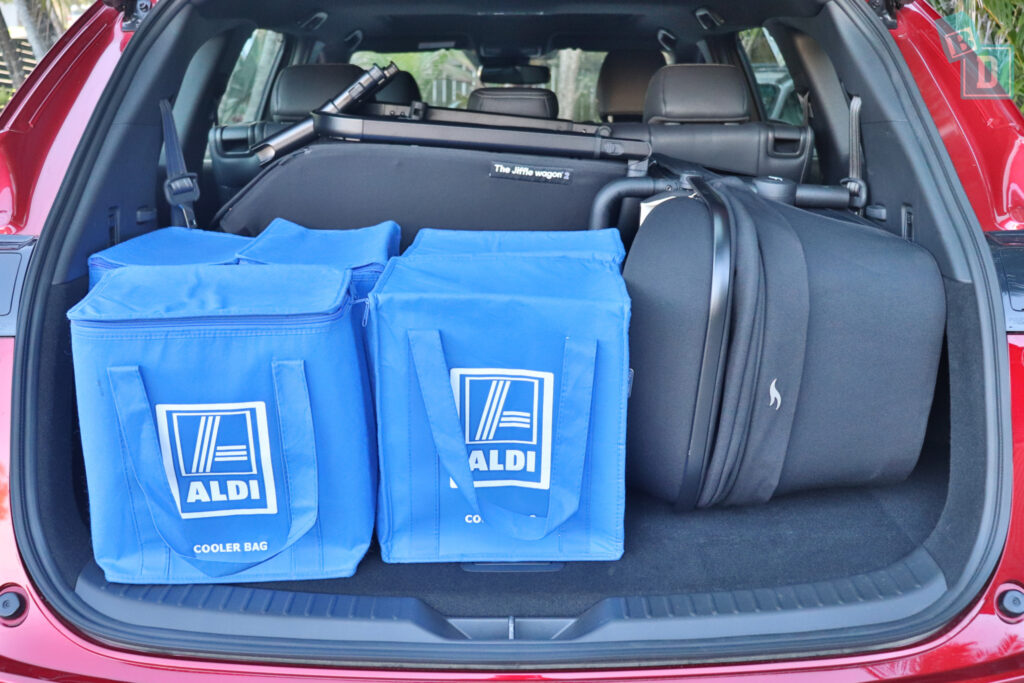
569 449
296 505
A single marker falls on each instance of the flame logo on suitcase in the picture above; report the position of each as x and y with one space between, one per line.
506 418
217 458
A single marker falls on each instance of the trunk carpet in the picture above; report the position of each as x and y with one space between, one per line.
797 539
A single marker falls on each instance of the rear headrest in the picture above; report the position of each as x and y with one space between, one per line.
301 88
401 89
622 83
697 93
537 102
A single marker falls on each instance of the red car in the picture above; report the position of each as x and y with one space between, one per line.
919 580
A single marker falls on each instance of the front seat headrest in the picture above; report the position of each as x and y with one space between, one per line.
622 83
301 88
697 93
401 89
536 102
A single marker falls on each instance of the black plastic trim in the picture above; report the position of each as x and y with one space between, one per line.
255 618
15 255
1008 254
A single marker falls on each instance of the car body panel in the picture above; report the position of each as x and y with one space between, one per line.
984 137
42 125
39 132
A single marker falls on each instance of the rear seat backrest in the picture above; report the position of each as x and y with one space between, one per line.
622 83
298 90
697 93
301 88
701 113
539 103
401 89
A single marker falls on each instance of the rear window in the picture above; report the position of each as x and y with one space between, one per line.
250 78
774 83
446 77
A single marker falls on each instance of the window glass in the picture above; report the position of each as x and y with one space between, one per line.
774 83
247 86
446 77
574 80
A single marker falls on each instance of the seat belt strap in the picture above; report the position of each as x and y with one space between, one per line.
856 161
181 188
855 180
805 107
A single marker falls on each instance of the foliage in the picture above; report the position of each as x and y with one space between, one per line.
453 66
574 81
584 104
997 22
242 99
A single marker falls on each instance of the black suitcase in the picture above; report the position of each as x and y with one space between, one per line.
775 349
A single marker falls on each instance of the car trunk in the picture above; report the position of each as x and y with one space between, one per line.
820 562
813 572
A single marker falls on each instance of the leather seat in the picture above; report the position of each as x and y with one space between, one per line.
301 88
622 83
539 103
402 89
700 113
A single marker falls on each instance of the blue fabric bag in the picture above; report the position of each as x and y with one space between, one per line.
597 244
364 250
168 247
502 386
226 424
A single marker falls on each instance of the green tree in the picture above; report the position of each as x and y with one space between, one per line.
43 23
453 66
10 55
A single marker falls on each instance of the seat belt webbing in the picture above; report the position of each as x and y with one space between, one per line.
855 180
181 188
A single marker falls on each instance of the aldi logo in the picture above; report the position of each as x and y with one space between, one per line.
217 458
506 418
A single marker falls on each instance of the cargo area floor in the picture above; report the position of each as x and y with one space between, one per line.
800 538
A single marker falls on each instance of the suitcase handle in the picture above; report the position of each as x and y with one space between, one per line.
296 505
569 449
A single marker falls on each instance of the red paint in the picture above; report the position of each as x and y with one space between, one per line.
38 134
41 127
984 138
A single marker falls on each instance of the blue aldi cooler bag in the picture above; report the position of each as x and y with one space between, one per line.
168 247
225 422
502 385
598 244
364 250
